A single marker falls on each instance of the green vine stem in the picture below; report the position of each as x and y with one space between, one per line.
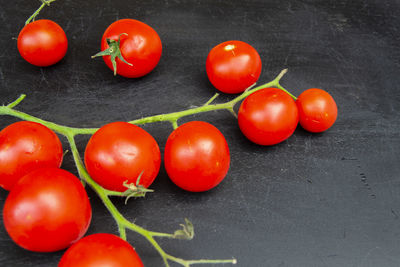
33 16
123 224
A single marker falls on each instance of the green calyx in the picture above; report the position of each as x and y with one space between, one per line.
114 51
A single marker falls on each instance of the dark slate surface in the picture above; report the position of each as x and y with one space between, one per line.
330 199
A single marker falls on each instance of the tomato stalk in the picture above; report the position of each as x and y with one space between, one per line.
123 224
33 16
114 52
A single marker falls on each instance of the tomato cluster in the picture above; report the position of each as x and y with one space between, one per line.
130 47
270 116
48 209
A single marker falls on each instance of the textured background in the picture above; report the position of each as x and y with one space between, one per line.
330 199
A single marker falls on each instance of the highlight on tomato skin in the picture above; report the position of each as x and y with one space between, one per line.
317 110
268 116
121 152
233 66
101 249
47 210
196 156
42 43
24 147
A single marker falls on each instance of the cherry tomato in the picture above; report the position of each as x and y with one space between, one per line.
42 43
268 116
120 152
233 66
196 156
317 110
101 250
47 210
140 46
26 146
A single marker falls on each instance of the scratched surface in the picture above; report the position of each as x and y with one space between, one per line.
330 199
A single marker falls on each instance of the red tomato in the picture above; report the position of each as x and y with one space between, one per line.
268 116
47 210
120 152
233 66
141 46
42 43
317 110
105 250
26 146
196 156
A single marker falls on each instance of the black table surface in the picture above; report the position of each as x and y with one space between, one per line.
330 199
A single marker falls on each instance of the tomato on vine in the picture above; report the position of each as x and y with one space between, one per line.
268 116
24 147
101 250
317 110
119 153
233 66
42 43
47 210
196 156
130 48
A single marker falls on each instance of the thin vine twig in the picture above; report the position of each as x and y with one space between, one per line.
33 16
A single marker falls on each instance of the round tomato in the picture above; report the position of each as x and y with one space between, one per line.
268 116
42 43
140 46
120 152
47 210
317 110
26 146
196 156
233 66
101 250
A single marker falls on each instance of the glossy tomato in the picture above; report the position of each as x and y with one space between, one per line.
42 43
47 210
196 156
101 250
233 66
140 46
268 116
317 110
26 146
120 152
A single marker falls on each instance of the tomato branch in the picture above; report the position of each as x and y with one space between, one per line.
187 231
122 222
172 117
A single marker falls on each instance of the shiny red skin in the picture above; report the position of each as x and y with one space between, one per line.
120 152
317 110
42 43
26 146
101 250
141 47
47 210
196 156
268 116
233 66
